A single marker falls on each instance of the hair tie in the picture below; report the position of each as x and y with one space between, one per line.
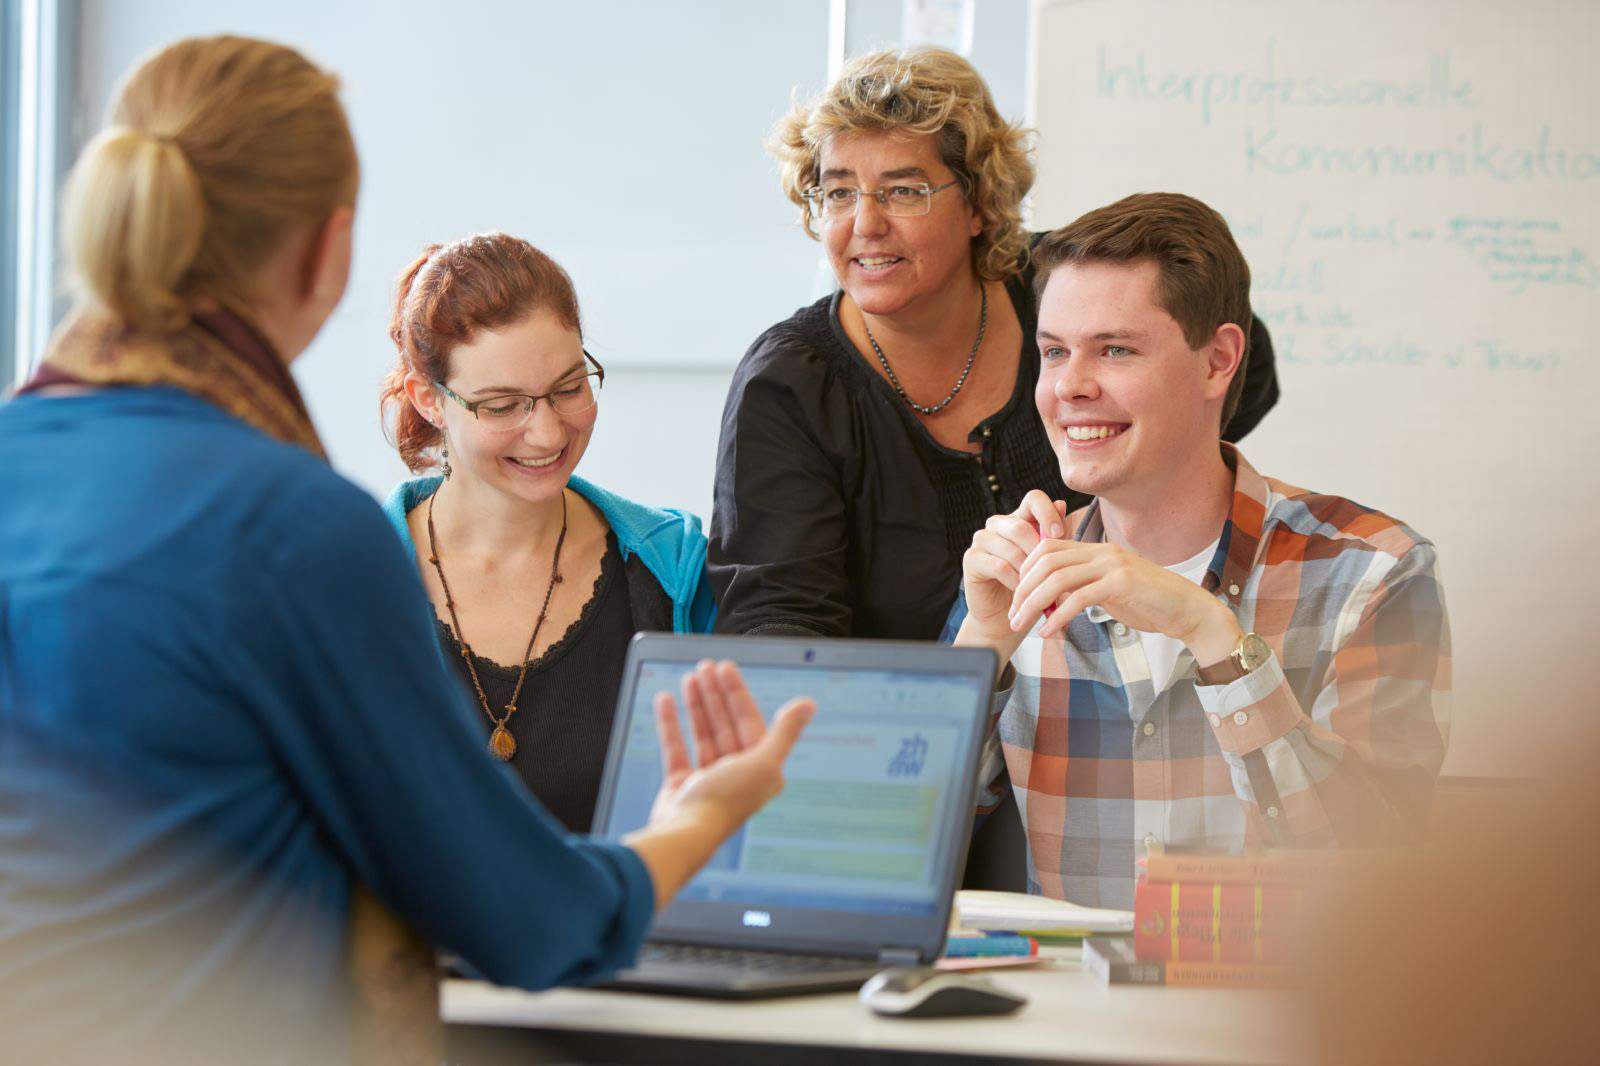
161 138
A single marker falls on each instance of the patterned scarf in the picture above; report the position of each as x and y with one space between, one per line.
218 357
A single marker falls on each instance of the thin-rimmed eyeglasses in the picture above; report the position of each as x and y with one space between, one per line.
512 410
903 199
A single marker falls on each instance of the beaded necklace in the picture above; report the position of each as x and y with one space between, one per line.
502 745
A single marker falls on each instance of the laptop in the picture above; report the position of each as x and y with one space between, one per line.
853 866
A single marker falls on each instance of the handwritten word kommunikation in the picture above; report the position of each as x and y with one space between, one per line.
1465 155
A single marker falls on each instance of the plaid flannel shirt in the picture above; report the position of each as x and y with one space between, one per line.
1337 740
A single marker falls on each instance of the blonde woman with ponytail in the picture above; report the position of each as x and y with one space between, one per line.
221 708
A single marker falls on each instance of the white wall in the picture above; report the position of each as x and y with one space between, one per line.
999 42
625 139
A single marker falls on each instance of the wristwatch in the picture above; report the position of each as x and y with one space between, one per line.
1248 656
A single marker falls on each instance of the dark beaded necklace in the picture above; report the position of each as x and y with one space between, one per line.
983 322
502 745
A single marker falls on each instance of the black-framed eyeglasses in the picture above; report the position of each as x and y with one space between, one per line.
512 411
904 198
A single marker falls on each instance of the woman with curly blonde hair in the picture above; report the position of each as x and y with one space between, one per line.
866 438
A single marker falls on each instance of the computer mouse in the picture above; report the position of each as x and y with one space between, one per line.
924 992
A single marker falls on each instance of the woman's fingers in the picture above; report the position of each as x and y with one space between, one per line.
694 702
744 715
724 716
719 715
674 755
773 750
787 725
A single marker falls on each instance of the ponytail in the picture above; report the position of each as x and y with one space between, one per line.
134 220
412 435
216 148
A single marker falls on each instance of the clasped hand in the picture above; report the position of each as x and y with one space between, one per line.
1022 563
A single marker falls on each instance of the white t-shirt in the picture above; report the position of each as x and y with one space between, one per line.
1161 651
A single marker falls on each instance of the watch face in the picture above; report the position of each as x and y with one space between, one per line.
1253 652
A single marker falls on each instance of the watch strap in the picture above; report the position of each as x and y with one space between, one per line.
1248 655
1222 672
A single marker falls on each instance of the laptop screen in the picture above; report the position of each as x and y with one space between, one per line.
878 798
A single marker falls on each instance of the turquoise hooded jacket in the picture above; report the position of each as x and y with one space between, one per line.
667 541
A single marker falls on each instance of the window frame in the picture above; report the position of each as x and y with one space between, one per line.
10 86
38 52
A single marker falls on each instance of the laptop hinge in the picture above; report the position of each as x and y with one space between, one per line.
899 957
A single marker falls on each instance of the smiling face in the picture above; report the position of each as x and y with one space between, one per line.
1129 407
532 357
888 263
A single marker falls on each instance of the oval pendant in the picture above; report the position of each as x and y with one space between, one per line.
502 745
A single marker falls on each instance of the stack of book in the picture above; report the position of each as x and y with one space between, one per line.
1034 915
1212 918
1051 928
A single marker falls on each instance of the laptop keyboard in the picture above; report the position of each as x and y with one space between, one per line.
744 961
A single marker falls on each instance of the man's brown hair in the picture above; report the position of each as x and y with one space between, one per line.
1204 282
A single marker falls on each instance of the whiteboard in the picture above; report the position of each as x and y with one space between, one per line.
1416 186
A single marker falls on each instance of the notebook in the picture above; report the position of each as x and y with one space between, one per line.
853 867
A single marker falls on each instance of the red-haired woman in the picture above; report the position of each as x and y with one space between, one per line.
538 578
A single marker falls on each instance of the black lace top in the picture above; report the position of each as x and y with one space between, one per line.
564 715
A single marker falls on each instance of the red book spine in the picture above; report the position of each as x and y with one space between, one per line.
1215 922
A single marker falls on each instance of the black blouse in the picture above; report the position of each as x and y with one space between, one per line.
837 513
564 714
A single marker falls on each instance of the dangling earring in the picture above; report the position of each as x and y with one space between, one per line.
444 450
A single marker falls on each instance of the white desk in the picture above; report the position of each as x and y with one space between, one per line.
1070 1017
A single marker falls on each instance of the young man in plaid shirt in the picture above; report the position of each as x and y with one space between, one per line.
1202 655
